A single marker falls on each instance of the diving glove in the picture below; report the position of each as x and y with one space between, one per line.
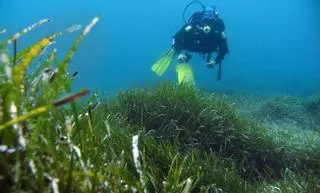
211 63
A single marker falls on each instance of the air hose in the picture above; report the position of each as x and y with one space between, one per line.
193 2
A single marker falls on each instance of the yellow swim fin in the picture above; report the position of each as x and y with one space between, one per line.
160 66
185 73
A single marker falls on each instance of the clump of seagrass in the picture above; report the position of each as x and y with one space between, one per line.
287 110
312 106
280 109
181 113
27 103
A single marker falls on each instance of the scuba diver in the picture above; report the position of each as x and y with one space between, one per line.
202 33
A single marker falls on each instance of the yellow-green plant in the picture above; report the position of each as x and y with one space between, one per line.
25 96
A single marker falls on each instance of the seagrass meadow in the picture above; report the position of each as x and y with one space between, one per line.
167 138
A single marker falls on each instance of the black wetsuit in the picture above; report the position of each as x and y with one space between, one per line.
196 40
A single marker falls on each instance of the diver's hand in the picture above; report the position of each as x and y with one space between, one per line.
182 57
211 63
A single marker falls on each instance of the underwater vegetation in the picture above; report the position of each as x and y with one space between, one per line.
312 106
171 138
210 122
289 111
28 102
280 108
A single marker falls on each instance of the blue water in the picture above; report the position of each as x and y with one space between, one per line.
274 45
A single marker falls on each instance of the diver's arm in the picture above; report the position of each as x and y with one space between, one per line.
210 63
222 51
223 48
209 58
223 45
